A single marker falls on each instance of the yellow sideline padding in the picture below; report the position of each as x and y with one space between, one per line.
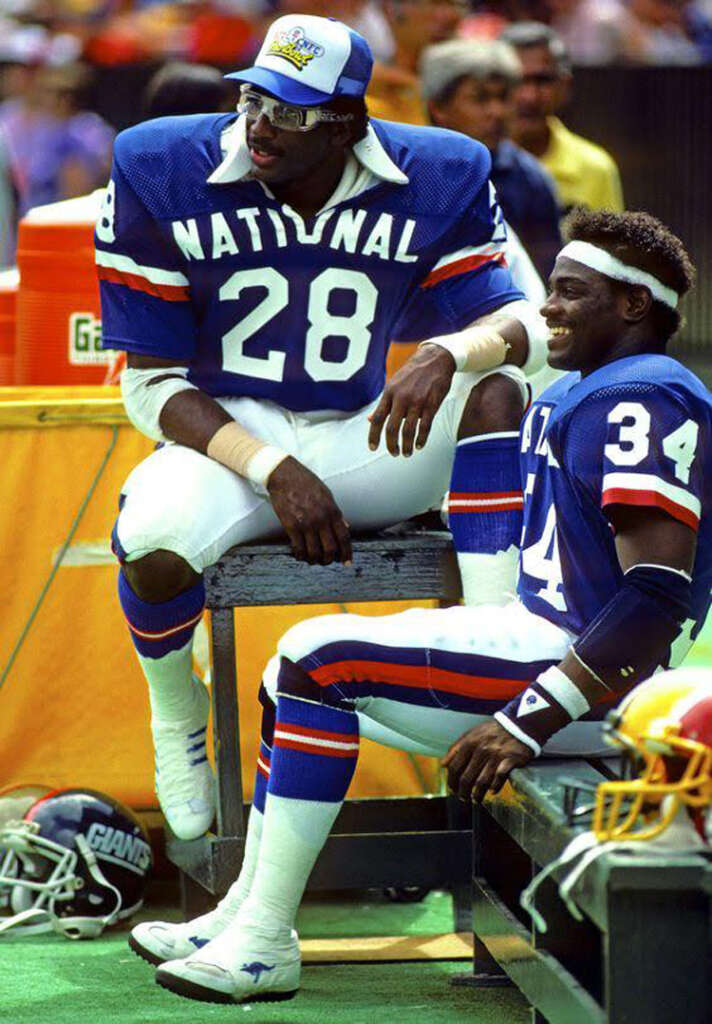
73 704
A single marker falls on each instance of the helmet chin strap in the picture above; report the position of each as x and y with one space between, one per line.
88 927
679 835
21 923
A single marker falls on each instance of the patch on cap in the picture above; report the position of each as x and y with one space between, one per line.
295 46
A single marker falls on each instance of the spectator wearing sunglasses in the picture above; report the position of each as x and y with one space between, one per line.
585 174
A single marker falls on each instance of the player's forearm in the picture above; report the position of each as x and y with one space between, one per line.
626 643
195 419
515 334
164 405
192 418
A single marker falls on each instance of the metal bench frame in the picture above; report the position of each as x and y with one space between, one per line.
640 956
416 841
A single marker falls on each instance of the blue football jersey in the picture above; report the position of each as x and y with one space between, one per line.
258 302
635 432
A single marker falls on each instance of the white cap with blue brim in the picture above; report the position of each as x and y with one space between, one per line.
306 61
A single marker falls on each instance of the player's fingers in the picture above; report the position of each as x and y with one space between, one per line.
410 425
377 419
451 753
329 545
456 766
312 544
468 777
482 783
393 426
426 421
296 541
501 775
343 539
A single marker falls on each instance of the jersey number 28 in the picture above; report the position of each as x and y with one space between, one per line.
322 323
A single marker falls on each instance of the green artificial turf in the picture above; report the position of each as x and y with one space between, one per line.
50 979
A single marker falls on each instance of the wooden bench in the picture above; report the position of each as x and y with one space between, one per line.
417 841
642 953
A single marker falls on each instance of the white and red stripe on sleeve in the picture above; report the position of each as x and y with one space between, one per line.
645 489
169 285
463 260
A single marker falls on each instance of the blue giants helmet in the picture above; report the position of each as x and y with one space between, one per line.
76 861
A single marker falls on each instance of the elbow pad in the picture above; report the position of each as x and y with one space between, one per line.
630 638
537 332
627 642
145 392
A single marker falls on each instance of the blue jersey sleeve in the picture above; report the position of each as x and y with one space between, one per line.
469 279
145 296
644 446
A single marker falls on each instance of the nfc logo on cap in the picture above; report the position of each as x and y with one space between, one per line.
85 341
295 46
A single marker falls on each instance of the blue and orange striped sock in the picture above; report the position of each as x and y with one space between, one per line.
314 757
485 515
163 638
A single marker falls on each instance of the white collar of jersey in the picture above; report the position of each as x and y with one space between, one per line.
236 163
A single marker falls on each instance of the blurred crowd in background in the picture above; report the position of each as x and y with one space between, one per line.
498 71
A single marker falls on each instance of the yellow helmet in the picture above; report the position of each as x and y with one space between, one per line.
665 726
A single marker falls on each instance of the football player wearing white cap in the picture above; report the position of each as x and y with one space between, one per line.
616 567
256 267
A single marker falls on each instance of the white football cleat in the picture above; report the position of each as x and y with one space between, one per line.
247 962
158 941
185 786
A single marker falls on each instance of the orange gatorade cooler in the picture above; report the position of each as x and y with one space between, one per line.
58 318
9 281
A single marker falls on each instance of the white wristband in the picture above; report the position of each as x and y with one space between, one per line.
558 685
263 463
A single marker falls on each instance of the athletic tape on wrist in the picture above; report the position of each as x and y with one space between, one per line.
240 451
480 347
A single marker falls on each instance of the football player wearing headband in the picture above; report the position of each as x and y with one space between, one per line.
256 266
614 583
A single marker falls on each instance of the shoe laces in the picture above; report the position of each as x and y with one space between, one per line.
177 753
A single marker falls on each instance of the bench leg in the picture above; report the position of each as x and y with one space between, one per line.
194 899
226 725
485 972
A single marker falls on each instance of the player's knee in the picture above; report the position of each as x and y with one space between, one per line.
160 576
308 636
268 689
495 405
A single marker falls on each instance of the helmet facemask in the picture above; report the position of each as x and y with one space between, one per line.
675 772
42 875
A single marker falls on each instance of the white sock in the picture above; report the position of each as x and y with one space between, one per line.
240 888
170 684
293 834
488 578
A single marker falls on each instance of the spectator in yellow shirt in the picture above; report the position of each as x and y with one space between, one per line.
585 174
394 92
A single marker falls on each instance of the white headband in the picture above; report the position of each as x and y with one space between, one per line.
602 261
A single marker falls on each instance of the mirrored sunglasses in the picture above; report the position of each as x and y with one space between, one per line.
282 115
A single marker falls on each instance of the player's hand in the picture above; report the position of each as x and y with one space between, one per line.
482 759
411 399
312 520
